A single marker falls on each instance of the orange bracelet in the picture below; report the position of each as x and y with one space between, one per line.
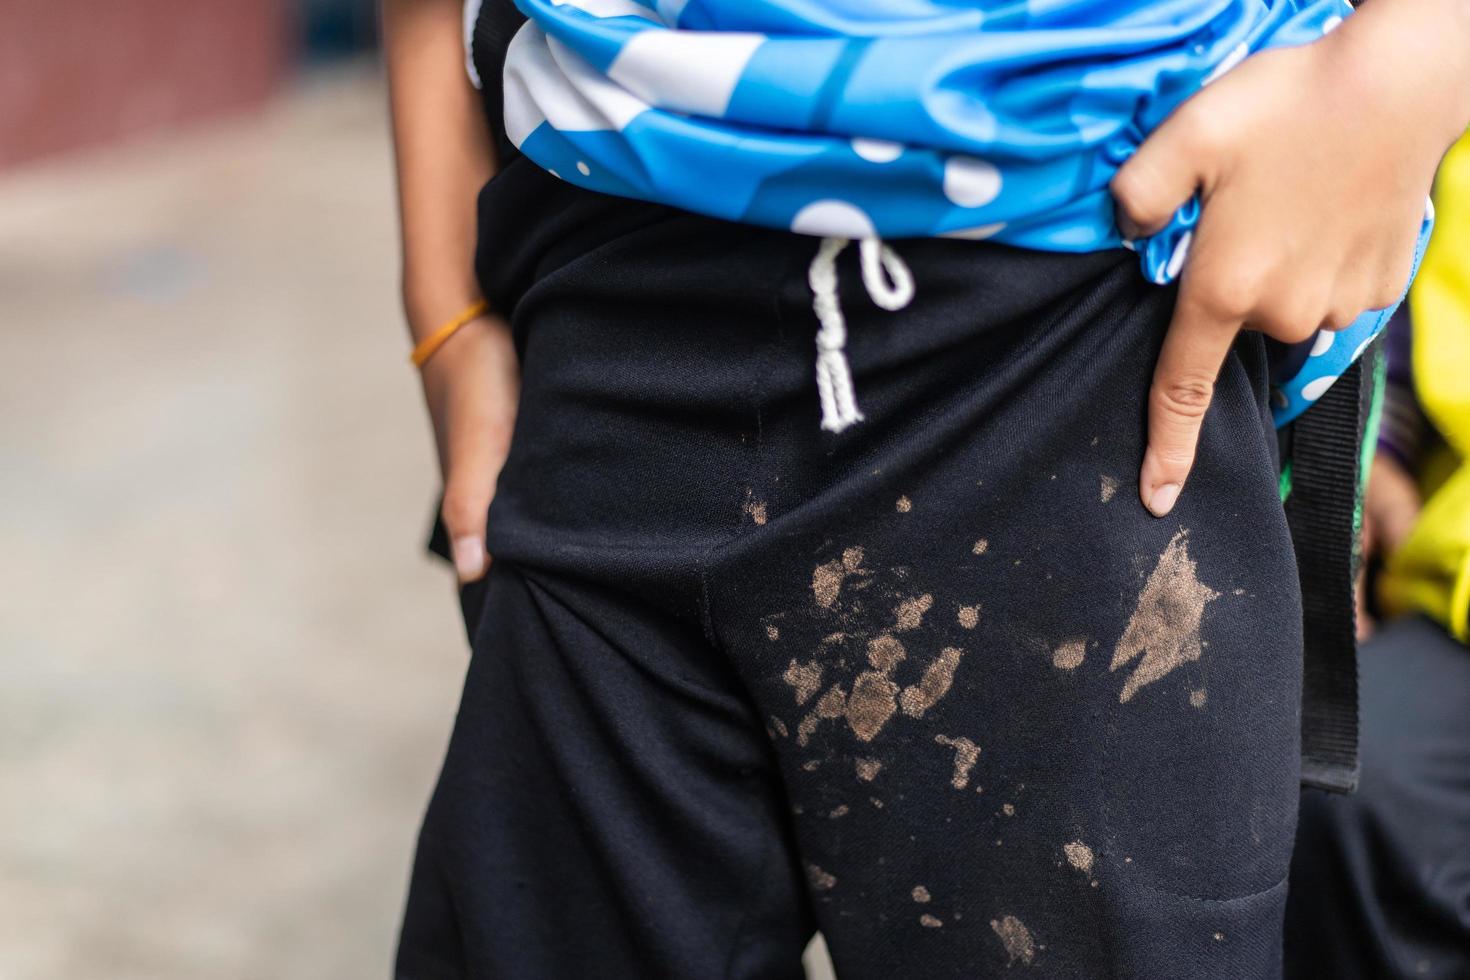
430 344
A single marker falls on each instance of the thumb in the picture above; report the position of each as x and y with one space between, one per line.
1183 385
1157 180
468 487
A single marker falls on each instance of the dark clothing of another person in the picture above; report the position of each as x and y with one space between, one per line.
1380 883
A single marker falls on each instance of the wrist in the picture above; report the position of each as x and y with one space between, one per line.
428 304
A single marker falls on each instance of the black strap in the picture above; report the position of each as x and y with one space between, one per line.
1322 512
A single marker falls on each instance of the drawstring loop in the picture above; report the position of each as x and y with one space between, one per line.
890 286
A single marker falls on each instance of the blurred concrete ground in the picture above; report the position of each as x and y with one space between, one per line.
227 669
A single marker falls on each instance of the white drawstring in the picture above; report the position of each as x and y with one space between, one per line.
890 285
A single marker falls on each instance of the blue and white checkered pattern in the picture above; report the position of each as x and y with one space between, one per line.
998 119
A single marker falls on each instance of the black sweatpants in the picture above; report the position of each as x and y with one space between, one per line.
1380 883
938 685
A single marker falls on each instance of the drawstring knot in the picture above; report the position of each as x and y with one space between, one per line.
890 285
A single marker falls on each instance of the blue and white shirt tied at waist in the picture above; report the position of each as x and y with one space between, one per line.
884 119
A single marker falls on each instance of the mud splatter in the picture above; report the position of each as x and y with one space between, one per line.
1198 698
779 727
930 922
877 803
838 812
1108 488
827 578
830 705
820 880
969 616
903 505
754 509
1166 623
921 894
867 769
804 680
885 653
933 686
1079 856
772 633
980 547
966 754
909 615
872 703
1009 809
1069 655
1016 938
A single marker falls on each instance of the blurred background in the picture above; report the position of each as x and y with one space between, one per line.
227 667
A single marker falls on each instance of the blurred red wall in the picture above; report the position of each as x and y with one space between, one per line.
80 72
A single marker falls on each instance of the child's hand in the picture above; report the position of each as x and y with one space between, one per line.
472 385
1312 165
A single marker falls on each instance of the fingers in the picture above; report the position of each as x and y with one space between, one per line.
473 460
1158 179
1199 337
466 504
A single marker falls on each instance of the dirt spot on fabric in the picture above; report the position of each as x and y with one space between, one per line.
754 509
930 922
966 754
827 578
969 616
933 686
1016 939
773 634
1069 655
873 702
909 615
921 894
838 812
831 705
1079 856
820 880
1009 809
903 505
803 679
885 652
1165 627
867 769
1108 488
980 547
779 727
1198 698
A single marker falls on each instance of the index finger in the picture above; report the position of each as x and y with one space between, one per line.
1195 346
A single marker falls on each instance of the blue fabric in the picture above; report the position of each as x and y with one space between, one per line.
999 119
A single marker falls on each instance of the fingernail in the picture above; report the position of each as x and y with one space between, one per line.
469 558
1162 500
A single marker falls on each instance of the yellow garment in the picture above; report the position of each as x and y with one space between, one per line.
1431 572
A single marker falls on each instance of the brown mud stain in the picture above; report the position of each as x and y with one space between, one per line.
867 769
754 509
903 505
827 577
820 880
921 894
885 652
933 686
1009 809
1069 655
980 547
779 727
1016 938
772 633
1165 628
830 705
1198 698
804 680
872 703
969 616
1108 488
1079 856
838 812
929 921
966 754
909 614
